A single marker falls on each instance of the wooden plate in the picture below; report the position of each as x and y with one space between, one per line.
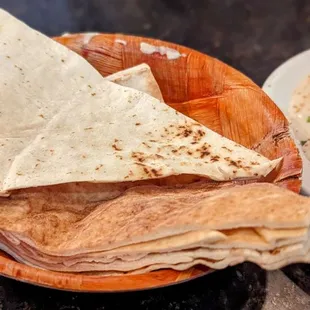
203 88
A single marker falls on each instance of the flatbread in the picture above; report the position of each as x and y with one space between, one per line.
152 227
143 214
140 78
113 134
276 236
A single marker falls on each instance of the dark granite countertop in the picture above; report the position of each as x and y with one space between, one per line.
253 36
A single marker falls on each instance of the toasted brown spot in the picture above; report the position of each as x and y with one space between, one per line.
254 163
52 152
201 133
146 145
138 124
116 148
233 163
146 170
204 154
215 158
226 148
189 153
157 173
174 151
19 68
18 173
140 164
83 156
187 132
139 156
158 156
88 128
62 60
93 94
98 167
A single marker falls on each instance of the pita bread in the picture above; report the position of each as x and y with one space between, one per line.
41 145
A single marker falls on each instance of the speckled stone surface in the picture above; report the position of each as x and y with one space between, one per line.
253 36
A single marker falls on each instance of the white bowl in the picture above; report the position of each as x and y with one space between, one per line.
280 85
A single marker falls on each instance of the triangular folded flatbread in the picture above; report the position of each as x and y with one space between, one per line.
140 78
66 123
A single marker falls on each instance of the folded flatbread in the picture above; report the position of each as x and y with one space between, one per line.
66 123
140 78
149 228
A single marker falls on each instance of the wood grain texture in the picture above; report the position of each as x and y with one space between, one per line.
208 91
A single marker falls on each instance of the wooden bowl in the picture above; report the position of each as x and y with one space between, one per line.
208 91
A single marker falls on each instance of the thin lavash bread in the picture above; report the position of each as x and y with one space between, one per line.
147 229
113 134
140 78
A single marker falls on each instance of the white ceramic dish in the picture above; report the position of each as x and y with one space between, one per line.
280 86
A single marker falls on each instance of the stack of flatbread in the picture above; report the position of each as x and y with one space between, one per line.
150 227
99 174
